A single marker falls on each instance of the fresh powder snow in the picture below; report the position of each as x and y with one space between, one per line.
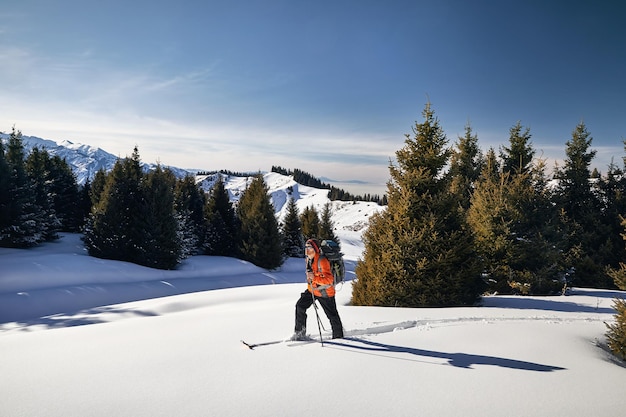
81 336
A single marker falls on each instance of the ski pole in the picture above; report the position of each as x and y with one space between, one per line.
309 268
319 322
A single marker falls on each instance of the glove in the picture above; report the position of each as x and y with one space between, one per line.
309 277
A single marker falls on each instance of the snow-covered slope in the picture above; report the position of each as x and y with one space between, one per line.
180 354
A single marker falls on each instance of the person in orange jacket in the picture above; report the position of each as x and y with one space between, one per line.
320 283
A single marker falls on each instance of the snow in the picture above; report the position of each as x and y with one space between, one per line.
81 336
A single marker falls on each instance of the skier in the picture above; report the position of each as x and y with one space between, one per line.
320 287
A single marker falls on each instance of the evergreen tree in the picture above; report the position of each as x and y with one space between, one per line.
491 168
516 232
84 203
616 333
159 246
327 227
293 242
97 186
416 252
24 224
112 230
581 212
66 196
619 274
465 167
5 196
38 169
310 223
260 237
223 227
612 197
518 157
190 204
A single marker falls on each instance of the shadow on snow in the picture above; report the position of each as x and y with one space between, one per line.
459 360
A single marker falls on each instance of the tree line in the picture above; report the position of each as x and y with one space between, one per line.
334 194
149 218
461 222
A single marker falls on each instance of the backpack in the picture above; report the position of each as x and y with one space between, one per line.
330 250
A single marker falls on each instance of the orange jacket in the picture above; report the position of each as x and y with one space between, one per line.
322 276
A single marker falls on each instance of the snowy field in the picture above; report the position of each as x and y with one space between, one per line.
81 336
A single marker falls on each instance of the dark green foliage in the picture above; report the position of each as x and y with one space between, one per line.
619 274
222 224
134 218
66 196
56 192
327 227
517 158
113 229
293 242
581 214
38 166
25 224
159 244
310 220
190 204
97 186
260 237
417 252
5 196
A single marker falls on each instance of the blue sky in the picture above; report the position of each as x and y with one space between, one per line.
329 87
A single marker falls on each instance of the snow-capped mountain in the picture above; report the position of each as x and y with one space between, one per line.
84 160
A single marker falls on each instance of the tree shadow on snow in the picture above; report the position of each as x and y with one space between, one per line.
524 303
82 318
459 360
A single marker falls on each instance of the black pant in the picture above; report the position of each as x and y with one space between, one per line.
330 308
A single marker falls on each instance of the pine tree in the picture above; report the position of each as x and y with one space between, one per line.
612 197
327 227
581 212
159 245
5 196
190 204
310 223
416 252
84 203
516 231
66 197
97 186
466 165
260 237
616 333
619 274
518 157
24 222
38 168
223 226
293 242
112 230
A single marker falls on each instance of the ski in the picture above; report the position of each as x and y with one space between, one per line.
290 343
251 346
